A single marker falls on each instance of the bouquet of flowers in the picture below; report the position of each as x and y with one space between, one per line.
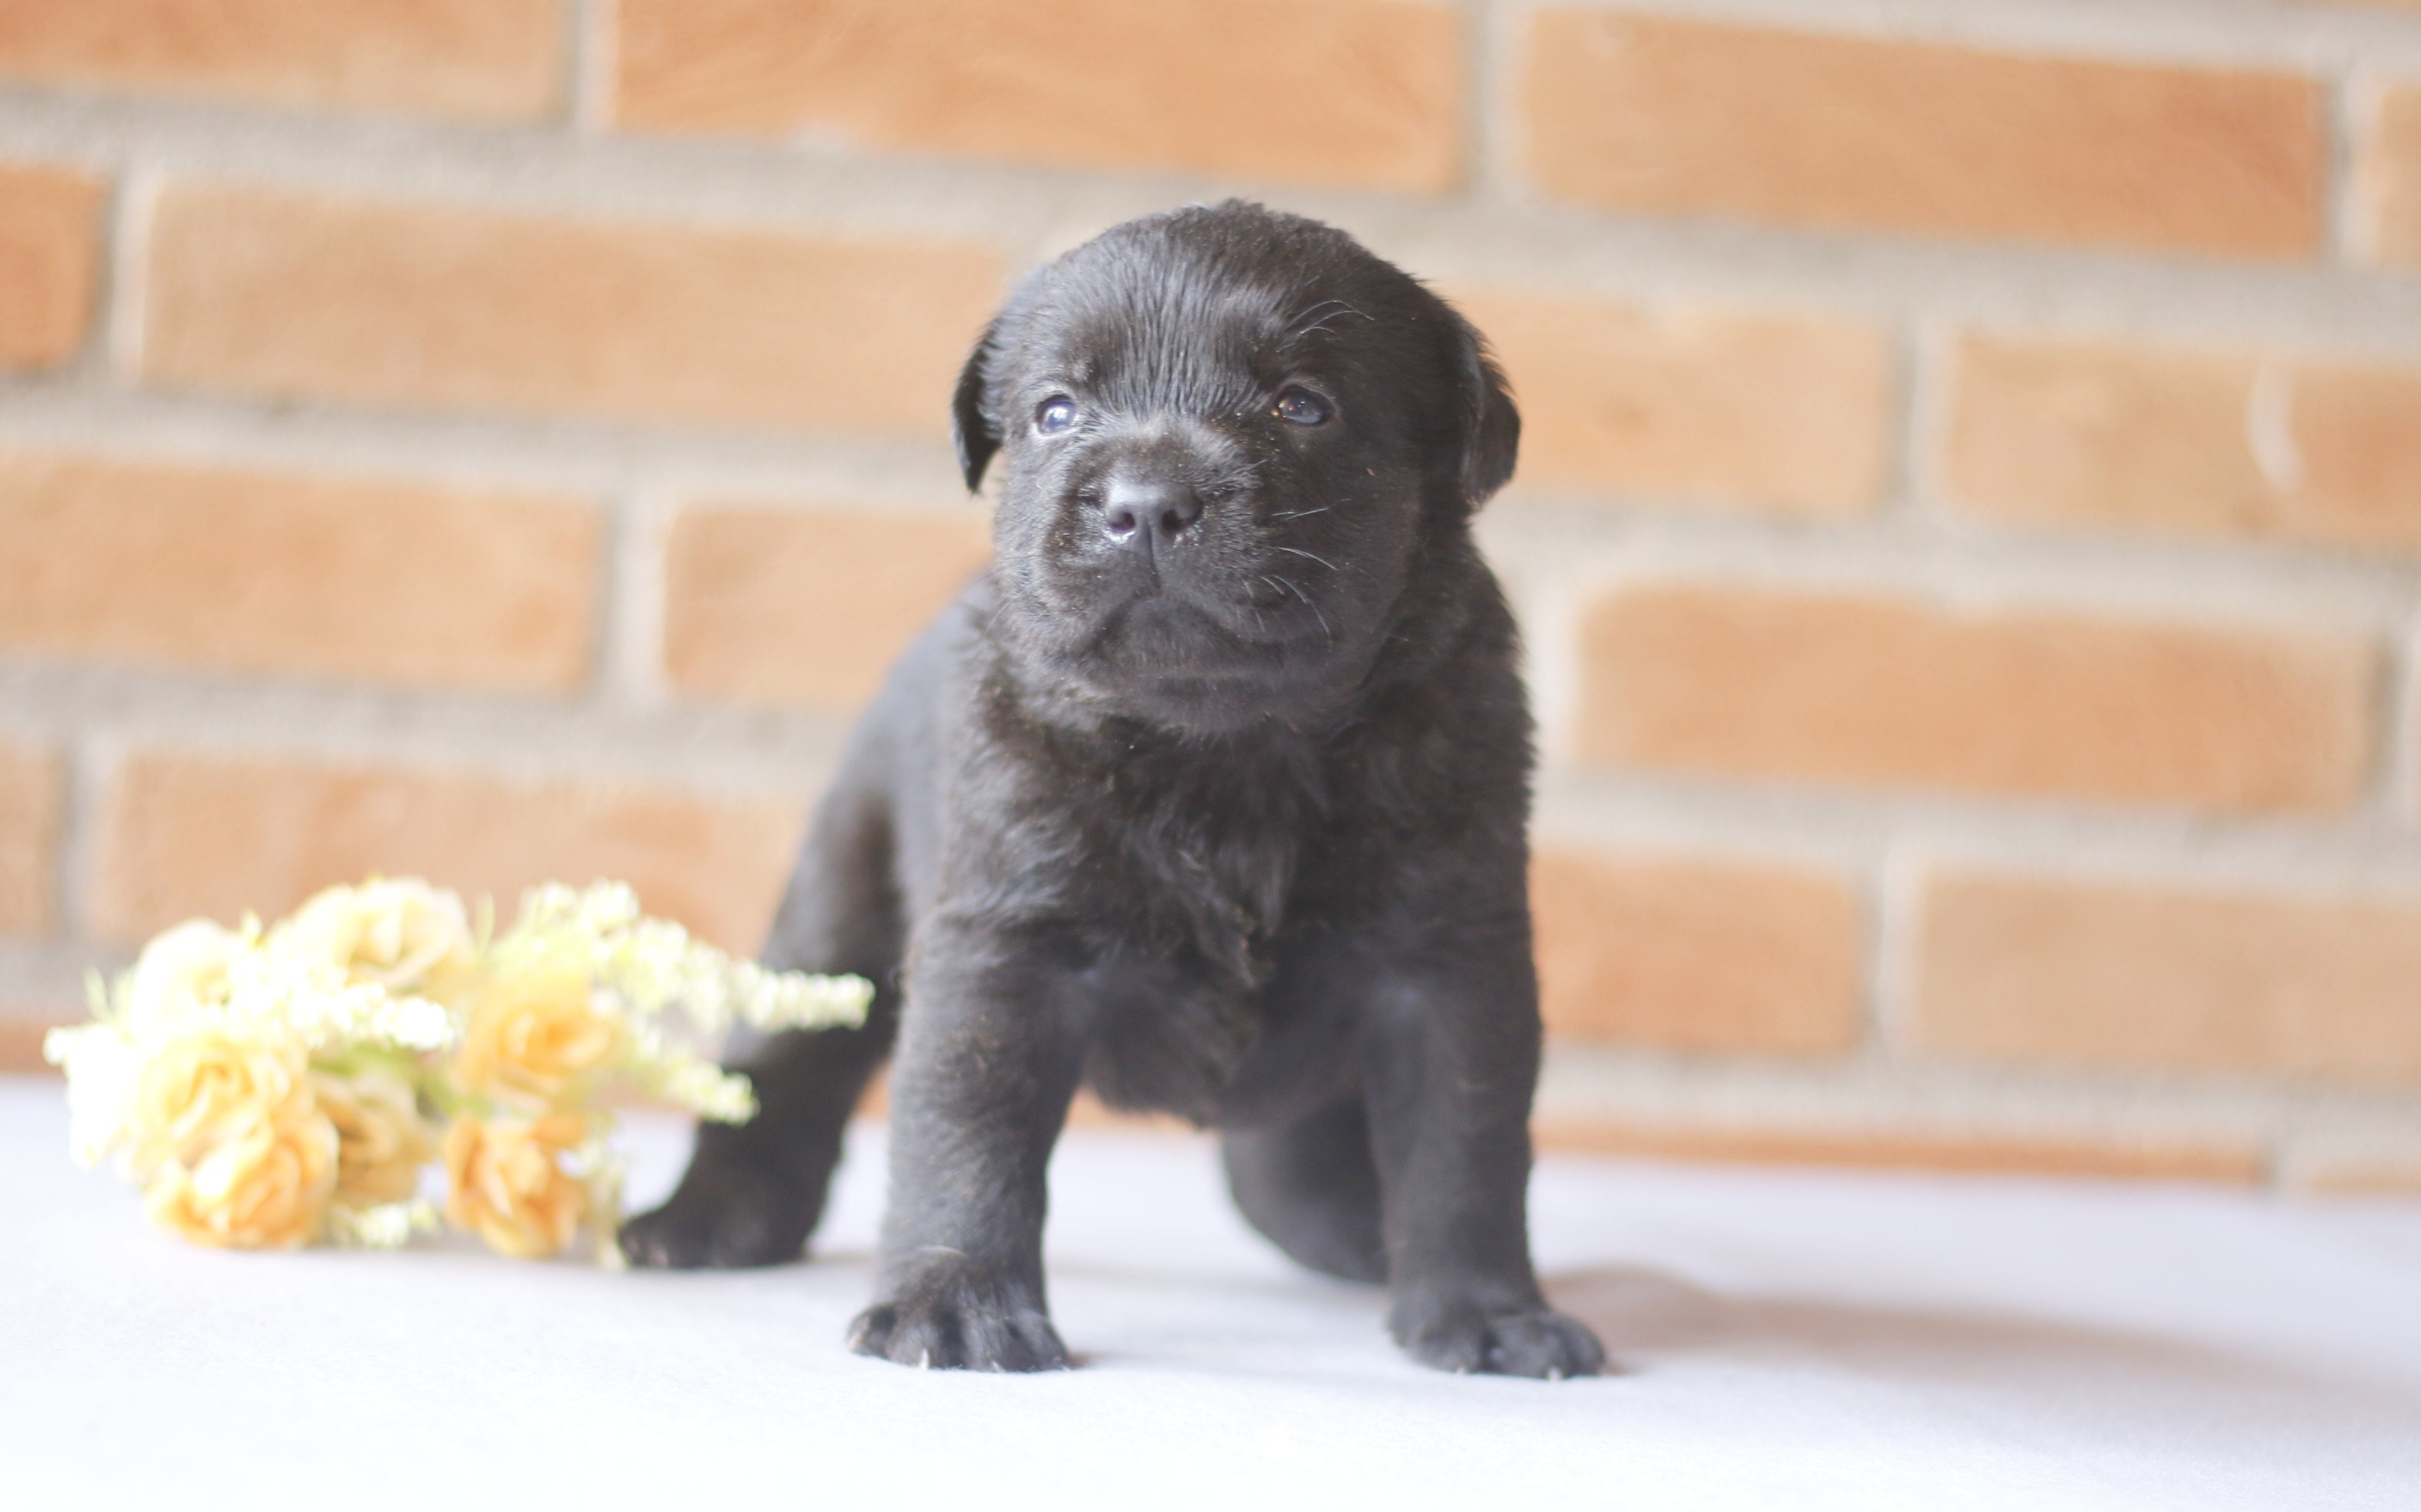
270 1088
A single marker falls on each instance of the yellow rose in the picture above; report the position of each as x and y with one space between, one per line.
201 1087
402 934
263 1185
382 1142
537 1038
506 1182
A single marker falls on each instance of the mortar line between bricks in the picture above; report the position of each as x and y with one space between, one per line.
591 56
1962 568
1890 890
2361 96
631 627
1909 414
700 747
126 273
65 832
2337 189
2400 706
2376 799
92 767
1490 136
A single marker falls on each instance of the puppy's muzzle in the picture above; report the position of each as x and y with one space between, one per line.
1147 515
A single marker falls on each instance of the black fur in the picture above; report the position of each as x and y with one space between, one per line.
1210 794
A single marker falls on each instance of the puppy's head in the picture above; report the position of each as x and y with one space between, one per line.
1232 439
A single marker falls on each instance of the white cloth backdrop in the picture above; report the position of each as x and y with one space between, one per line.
1792 1341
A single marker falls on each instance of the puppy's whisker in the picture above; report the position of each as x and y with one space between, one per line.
1313 555
1301 514
1289 584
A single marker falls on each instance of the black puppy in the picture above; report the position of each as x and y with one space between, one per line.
1212 794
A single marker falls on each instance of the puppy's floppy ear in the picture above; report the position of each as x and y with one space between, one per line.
1491 427
974 429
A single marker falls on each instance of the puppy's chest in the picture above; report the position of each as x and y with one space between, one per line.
1201 856
1188 877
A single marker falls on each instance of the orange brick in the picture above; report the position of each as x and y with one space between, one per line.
2197 442
1780 412
1673 117
1952 1153
2163 980
481 59
1697 955
806 607
2387 181
32 785
1297 91
451 309
1755 683
257 572
189 835
50 252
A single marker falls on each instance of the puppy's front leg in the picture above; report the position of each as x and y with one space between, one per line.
989 1057
1450 1058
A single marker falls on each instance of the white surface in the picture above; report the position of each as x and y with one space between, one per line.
1792 1341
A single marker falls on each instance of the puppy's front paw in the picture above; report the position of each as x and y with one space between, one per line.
724 1219
951 1330
1468 1338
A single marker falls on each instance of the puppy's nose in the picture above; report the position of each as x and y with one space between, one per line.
1148 513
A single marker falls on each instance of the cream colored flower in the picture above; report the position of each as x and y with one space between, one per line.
382 1142
401 934
507 1182
263 1184
537 1037
653 964
202 1085
182 973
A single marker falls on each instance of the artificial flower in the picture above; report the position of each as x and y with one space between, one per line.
267 1090
262 1184
506 1181
202 1085
381 1141
401 934
538 1038
185 974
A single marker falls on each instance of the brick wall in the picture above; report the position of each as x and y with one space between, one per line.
1969 534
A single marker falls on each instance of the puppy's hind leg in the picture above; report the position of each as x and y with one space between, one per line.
754 1191
1311 1187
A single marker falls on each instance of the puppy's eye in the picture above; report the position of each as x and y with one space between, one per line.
1055 416
1302 406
